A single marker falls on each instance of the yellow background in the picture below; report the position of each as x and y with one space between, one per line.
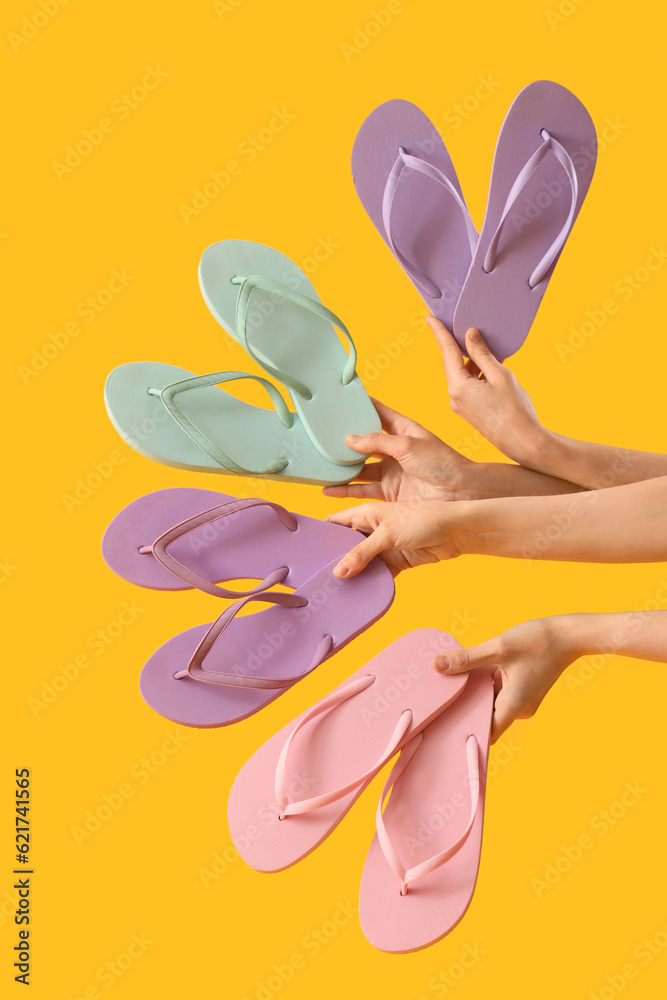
141 873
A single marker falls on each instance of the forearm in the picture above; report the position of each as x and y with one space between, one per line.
593 466
622 524
485 480
640 634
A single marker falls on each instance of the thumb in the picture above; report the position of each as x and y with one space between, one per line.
480 353
354 561
459 661
506 709
378 444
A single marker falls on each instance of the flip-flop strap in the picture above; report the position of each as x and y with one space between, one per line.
298 298
195 670
403 160
563 157
347 691
168 393
407 875
159 547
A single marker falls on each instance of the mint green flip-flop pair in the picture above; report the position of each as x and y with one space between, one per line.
263 300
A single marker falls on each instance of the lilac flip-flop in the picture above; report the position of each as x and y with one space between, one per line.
406 181
542 169
219 673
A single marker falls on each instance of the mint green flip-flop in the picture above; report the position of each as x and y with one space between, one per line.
263 300
180 419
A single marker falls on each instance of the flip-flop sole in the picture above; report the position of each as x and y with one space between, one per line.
336 748
501 303
251 436
248 544
427 225
274 643
428 809
294 341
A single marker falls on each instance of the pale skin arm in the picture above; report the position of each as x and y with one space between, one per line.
528 659
414 464
617 525
487 395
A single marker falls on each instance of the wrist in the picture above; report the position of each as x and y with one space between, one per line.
475 527
577 634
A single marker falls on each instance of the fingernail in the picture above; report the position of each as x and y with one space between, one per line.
473 334
352 438
340 570
441 663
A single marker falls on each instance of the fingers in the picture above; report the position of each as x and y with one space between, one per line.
394 422
481 356
356 491
379 444
459 661
354 561
506 710
452 356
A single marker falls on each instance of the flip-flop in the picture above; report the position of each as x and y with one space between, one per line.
180 538
406 181
296 789
183 420
220 673
542 169
422 866
263 300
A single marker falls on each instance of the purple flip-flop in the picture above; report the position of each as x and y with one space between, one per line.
219 673
406 181
542 168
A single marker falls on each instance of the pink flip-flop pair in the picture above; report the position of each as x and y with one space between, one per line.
219 673
422 865
543 165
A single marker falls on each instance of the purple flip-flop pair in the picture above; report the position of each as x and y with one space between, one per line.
542 168
219 673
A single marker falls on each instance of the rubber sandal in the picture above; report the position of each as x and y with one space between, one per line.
183 538
313 770
542 169
220 673
182 420
406 181
269 306
422 866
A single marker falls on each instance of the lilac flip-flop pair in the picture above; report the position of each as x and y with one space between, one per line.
542 169
219 673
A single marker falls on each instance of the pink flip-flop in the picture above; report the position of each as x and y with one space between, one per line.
297 788
542 169
219 673
406 181
422 866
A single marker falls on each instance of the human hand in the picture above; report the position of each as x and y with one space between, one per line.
406 534
525 662
414 464
488 396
